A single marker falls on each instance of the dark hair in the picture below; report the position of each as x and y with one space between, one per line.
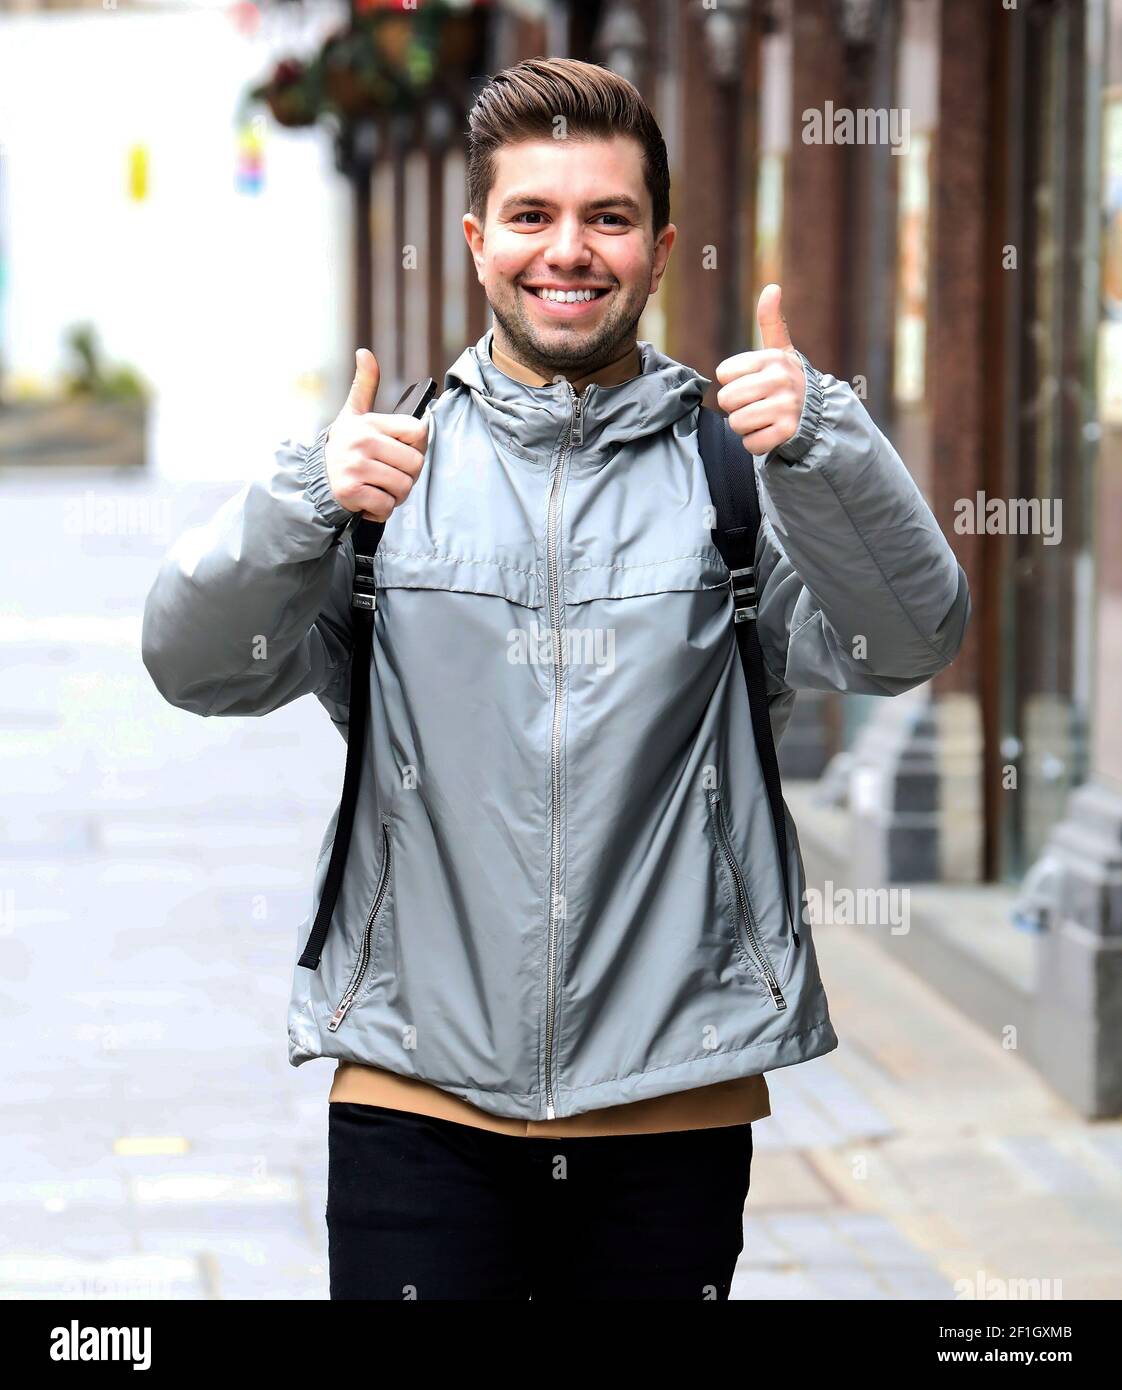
523 102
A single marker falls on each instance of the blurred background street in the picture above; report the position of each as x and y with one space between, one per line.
154 1141
184 275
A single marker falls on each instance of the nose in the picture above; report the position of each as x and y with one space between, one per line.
568 246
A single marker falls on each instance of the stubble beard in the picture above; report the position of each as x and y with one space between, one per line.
571 348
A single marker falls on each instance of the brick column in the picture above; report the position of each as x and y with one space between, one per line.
696 208
814 195
816 273
916 787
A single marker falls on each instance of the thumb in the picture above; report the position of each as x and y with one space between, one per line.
773 326
364 388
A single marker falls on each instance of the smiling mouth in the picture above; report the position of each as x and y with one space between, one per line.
567 303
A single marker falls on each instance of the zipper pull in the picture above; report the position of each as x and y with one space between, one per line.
577 435
775 992
341 1012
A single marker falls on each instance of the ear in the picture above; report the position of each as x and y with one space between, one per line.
473 234
663 246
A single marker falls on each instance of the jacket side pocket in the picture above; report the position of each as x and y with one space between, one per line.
371 935
749 946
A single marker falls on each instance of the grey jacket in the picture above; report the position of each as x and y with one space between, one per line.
562 891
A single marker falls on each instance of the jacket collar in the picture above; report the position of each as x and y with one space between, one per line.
534 419
622 369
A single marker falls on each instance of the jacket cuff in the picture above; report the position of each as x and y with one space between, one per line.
313 470
804 437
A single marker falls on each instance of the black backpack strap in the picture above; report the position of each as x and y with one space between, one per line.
366 535
731 475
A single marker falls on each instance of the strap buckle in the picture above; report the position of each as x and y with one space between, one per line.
364 594
742 582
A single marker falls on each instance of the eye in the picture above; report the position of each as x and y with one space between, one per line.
620 220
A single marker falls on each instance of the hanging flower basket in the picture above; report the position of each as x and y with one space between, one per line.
386 60
292 94
358 79
392 34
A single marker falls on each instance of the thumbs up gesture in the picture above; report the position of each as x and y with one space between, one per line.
372 460
763 392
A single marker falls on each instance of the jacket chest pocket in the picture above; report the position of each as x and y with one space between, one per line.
747 937
634 576
514 579
444 627
451 632
661 626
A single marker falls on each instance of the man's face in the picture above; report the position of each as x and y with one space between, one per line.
568 214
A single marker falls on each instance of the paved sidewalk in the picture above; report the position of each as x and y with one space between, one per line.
154 1141
919 1154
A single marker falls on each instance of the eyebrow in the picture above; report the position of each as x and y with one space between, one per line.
528 200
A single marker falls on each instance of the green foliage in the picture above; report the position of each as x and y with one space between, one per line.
92 377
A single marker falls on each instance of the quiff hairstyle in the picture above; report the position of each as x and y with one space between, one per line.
523 102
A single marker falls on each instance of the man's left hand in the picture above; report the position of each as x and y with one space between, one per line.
763 392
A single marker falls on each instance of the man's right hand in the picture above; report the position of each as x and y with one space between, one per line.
372 460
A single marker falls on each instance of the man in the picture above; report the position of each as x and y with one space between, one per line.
561 957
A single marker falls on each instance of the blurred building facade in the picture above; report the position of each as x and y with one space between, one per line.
942 251
936 184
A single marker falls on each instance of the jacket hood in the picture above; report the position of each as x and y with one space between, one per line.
532 417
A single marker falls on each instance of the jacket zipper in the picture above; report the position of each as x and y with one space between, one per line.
364 954
744 905
576 436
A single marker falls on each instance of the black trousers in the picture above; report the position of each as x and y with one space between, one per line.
419 1207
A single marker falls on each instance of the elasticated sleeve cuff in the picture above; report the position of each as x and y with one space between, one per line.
317 486
807 432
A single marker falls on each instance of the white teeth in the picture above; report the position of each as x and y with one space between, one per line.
566 296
